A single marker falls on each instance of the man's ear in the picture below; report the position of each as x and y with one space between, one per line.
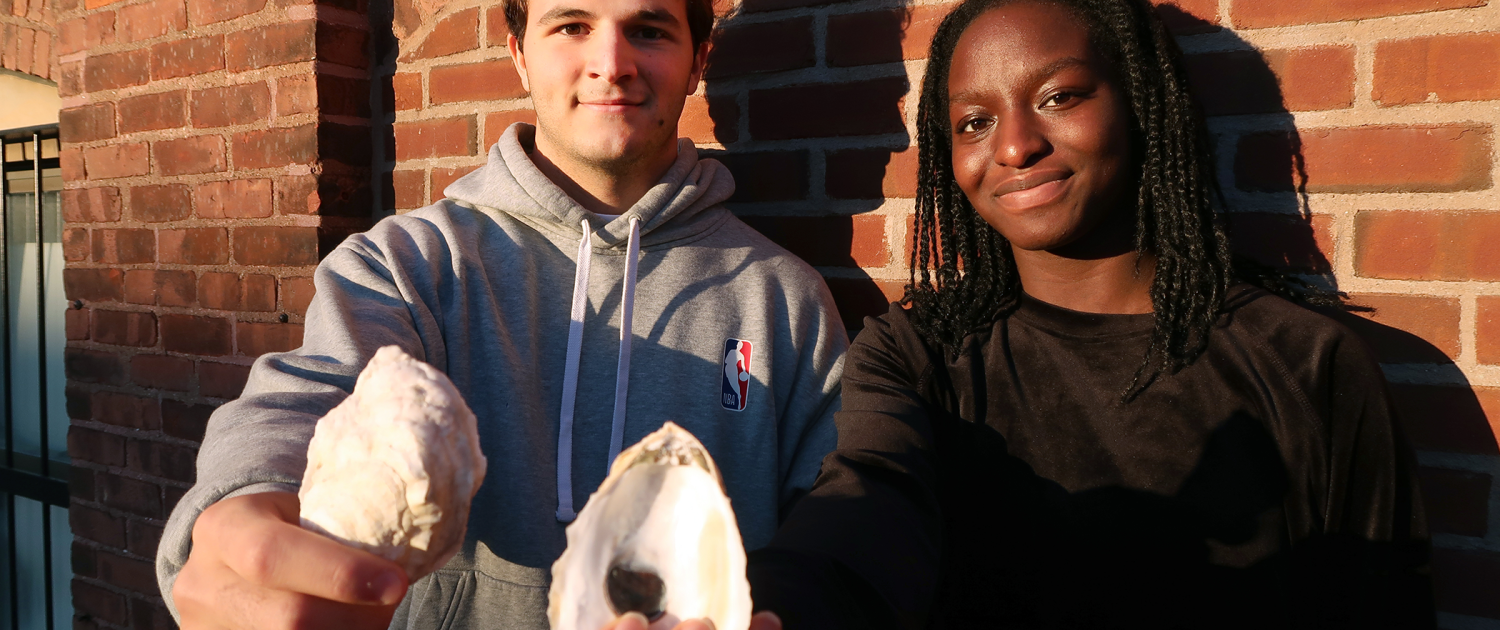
519 59
700 64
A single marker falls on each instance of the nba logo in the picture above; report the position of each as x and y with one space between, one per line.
736 374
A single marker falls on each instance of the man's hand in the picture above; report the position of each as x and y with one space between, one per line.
764 620
253 567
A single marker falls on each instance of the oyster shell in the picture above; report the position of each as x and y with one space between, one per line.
393 468
658 538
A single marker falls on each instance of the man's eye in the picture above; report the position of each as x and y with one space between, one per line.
651 33
572 29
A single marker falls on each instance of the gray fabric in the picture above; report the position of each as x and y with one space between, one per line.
479 286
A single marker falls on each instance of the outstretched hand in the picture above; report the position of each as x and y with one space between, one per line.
764 620
252 567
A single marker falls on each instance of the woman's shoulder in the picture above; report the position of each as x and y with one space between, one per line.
1309 341
892 340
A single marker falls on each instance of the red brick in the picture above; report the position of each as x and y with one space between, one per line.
441 177
116 70
95 601
159 371
76 324
71 35
834 241
1408 328
297 195
160 287
1445 68
872 173
164 110
259 292
256 339
192 334
193 246
186 156
97 525
152 19
122 328
480 81
158 203
495 123
1252 82
75 244
99 29
128 246
1488 329
160 460
204 12
496 30
767 47
703 120
276 147
755 6
435 138
1360 160
768 176
1466 582
93 284
187 57
87 123
1457 501
70 79
1263 13
142 538
272 45
125 410
219 290
861 298
407 90
184 420
130 495
454 34
828 110
91 205
296 294
233 199
96 447
1431 245
92 366
222 380
408 187
276 246
342 45
231 105
343 96
1187 17
117 160
296 94
1283 241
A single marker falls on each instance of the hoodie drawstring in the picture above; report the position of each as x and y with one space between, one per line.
565 512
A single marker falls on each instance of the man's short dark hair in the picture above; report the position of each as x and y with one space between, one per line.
700 17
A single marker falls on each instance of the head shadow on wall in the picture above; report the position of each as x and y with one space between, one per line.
1264 170
808 100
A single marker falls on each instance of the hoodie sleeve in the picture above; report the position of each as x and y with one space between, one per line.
861 550
258 443
807 426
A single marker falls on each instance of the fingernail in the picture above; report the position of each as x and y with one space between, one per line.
640 621
389 588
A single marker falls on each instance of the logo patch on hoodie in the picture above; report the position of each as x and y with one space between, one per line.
736 386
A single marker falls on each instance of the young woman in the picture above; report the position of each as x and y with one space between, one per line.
1079 418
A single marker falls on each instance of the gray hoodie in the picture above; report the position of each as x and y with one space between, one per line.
499 287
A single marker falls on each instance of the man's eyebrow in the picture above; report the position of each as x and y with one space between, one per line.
654 15
563 13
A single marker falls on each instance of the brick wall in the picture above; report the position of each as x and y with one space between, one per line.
214 148
27 36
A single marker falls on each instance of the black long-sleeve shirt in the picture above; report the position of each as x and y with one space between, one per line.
1264 485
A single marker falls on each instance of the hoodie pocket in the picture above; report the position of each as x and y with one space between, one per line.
459 600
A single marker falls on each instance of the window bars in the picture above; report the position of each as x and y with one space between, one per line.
35 471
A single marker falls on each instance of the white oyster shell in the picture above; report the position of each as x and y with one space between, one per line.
393 468
661 510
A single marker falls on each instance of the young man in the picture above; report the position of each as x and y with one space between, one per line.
600 197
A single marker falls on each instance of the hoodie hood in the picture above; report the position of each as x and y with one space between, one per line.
678 206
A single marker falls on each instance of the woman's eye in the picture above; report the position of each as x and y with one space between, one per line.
973 125
1061 98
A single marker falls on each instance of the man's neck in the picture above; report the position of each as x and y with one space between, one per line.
601 190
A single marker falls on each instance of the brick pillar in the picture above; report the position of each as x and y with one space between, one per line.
28 33
213 151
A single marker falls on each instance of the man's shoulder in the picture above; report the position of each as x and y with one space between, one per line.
753 238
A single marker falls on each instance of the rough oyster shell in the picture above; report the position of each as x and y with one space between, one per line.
661 514
393 468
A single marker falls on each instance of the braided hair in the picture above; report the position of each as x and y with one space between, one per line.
963 274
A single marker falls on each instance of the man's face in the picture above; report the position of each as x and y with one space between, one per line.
608 77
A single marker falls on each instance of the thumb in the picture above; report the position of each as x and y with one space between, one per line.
765 620
629 621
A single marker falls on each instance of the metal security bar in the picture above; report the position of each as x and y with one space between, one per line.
34 476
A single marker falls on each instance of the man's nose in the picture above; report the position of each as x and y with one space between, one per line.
1023 139
611 57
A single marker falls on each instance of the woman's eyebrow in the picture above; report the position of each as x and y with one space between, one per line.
1056 67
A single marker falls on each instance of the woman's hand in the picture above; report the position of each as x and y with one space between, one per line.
764 620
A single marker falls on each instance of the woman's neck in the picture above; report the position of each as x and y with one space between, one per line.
1116 284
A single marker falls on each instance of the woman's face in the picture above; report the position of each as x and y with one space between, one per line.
1041 142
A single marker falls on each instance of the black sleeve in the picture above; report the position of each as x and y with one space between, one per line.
1370 564
861 550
